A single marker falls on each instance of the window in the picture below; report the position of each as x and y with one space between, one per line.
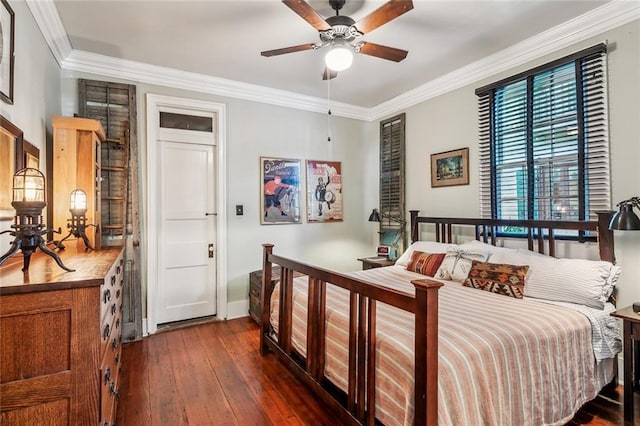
544 148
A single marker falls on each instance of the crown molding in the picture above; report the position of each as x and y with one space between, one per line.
590 24
46 16
108 66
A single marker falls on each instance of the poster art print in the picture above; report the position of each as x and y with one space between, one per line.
324 191
280 184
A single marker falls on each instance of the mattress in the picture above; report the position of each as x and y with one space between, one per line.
502 361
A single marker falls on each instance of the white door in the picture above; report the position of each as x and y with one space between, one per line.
186 240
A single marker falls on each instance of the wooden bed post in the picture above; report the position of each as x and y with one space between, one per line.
267 249
414 225
426 352
605 236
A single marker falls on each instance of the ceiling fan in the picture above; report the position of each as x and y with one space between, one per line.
343 34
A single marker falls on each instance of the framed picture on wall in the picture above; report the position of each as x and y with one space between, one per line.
324 191
280 191
450 168
29 156
7 62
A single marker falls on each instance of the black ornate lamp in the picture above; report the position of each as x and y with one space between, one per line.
78 223
625 219
29 200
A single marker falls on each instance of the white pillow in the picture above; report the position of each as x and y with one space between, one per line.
425 246
495 252
457 263
581 281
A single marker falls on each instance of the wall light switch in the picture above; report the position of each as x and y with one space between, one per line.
239 210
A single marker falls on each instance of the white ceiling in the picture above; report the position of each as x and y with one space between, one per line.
224 39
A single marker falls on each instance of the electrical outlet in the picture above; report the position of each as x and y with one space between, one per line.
239 210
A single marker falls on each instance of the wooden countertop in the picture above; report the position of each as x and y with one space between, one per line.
44 274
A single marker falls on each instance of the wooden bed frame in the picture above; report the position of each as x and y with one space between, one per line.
356 406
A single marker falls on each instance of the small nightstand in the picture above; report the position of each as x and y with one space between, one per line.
631 339
375 262
255 290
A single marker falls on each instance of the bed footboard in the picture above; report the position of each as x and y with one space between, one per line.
358 405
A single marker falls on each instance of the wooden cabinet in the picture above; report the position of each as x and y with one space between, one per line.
60 337
76 163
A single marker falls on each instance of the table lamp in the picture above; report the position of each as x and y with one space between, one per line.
28 228
626 220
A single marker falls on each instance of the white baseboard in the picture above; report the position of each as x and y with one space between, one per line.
238 309
235 310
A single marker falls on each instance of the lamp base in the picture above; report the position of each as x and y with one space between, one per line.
636 307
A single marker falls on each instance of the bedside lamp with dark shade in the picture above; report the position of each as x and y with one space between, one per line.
626 220
389 237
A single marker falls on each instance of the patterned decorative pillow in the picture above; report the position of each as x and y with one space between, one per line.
457 264
498 278
425 263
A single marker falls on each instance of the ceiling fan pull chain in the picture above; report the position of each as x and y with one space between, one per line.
329 110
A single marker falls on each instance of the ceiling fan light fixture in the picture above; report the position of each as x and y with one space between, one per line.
339 58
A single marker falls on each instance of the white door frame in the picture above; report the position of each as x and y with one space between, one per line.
156 103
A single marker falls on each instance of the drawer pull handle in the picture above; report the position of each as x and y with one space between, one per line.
118 270
113 280
114 343
112 388
117 358
118 294
106 332
107 375
118 323
106 296
113 308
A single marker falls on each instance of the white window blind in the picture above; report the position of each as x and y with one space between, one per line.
544 150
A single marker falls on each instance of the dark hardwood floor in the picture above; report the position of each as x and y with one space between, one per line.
213 374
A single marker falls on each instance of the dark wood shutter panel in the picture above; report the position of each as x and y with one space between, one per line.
392 175
114 105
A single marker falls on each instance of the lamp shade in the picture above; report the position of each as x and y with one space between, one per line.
374 216
28 191
625 219
78 202
340 57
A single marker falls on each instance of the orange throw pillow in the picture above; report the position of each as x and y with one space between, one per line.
425 263
504 279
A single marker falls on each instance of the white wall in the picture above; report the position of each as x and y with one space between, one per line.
450 121
37 89
257 129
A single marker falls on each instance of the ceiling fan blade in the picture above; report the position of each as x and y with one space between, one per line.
328 74
308 13
290 49
384 52
385 13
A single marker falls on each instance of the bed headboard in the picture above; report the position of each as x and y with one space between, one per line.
536 231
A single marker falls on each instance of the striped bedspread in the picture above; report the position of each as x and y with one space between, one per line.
502 361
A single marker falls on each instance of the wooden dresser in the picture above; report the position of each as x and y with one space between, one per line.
60 344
